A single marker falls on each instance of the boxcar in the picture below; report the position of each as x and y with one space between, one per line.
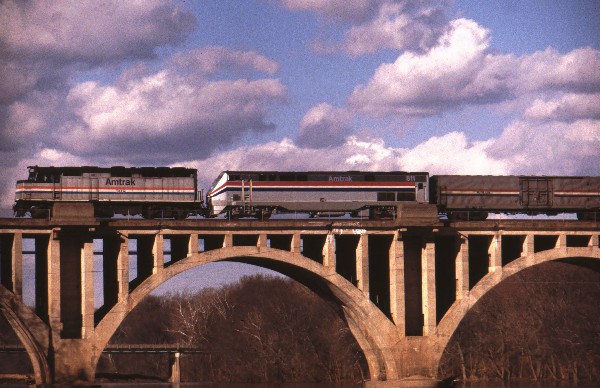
472 197
259 194
152 192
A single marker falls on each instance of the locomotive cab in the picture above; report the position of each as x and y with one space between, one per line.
32 174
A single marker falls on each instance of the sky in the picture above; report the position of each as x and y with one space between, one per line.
447 87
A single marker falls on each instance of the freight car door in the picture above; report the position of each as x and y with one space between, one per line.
536 192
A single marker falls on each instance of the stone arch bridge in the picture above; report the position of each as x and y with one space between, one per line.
403 288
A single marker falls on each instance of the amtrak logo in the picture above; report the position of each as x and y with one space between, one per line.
343 178
120 182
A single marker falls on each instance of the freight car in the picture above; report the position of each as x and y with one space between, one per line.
325 193
149 191
473 197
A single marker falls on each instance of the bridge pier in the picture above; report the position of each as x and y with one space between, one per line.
11 270
175 368
71 305
74 360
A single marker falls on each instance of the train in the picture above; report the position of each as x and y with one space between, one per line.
171 192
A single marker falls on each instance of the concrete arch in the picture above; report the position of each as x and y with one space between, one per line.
31 331
375 333
450 322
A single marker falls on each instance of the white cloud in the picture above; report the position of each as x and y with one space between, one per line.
212 59
162 115
16 80
550 148
324 125
157 117
453 154
399 26
568 107
57 31
379 24
578 71
25 120
42 43
460 70
556 149
420 84
351 10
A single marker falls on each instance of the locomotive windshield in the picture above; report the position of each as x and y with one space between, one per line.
32 174
42 175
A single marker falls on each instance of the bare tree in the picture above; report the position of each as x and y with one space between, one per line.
539 324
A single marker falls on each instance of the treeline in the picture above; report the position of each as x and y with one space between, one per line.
261 329
540 324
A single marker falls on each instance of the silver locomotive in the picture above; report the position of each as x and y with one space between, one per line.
319 193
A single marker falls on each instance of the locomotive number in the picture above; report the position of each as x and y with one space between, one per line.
410 178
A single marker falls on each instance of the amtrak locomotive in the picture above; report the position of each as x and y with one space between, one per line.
326 193
172 193
151 192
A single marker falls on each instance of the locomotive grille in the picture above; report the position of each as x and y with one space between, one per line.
536 192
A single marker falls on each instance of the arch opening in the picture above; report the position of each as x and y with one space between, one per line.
260 329
539 323
375 334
